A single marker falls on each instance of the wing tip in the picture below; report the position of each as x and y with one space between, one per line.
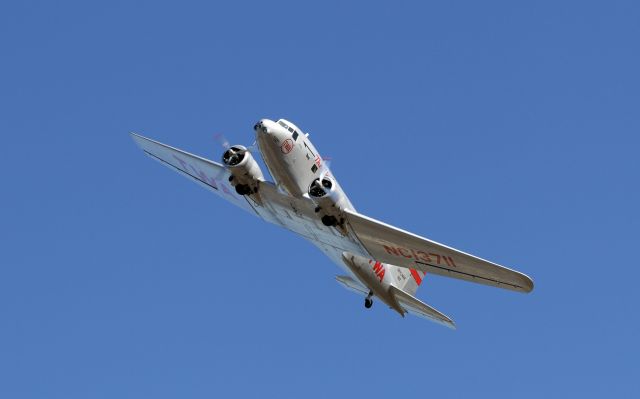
527 283
138 139
447 322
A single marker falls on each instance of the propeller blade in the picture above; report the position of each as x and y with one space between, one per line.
222 140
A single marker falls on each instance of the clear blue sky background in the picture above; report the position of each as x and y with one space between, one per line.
509 131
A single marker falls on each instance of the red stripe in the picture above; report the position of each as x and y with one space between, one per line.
416 276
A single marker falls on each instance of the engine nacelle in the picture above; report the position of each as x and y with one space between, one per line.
330 202
245 171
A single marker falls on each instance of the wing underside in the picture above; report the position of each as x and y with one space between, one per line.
391 245
208 174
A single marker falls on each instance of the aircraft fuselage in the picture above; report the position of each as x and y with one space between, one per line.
294 163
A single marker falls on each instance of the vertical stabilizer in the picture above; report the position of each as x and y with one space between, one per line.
408 280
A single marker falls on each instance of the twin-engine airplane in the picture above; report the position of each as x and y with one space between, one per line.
379 260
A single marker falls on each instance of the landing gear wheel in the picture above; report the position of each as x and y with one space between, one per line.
368 302
243 189
329 220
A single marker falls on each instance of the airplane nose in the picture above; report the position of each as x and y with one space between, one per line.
265 126
261 127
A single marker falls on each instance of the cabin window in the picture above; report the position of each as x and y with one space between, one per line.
314 168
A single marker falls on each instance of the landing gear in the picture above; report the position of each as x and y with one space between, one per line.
368 302
244 189
329 220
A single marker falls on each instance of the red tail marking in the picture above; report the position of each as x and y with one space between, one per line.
416 276
378 269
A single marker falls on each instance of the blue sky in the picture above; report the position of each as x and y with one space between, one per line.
507 130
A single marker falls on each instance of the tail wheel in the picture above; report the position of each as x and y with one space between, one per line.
368 302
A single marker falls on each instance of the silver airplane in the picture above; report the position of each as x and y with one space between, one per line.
379 260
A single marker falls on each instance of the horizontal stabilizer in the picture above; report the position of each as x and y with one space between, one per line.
418 308
352 285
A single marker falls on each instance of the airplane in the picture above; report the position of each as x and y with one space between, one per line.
379 260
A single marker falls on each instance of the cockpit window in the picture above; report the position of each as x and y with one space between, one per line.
290 129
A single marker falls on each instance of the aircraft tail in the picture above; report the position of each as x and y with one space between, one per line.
408 280
416 307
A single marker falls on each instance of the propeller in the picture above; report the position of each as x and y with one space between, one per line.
321 186
326 164
317 190
222 140
233 156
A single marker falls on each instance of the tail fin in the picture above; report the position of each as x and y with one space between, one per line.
408 280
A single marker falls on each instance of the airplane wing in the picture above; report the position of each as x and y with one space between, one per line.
392 245
295 214
373 238
211 175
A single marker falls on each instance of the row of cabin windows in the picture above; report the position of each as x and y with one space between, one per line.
292 130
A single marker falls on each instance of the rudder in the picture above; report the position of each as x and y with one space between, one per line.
408 280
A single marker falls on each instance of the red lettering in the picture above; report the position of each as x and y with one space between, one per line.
202 176
377 267
206 179
213 183
182 163
424 256
402 252
391 250
437 256
225 189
